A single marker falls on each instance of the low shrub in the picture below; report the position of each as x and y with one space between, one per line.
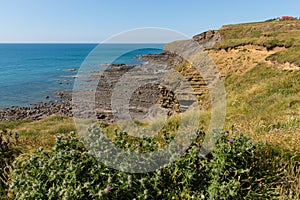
241 169
70 172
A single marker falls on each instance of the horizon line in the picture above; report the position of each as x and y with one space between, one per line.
83 43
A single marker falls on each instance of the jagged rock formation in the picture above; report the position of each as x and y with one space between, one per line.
146 94
208 38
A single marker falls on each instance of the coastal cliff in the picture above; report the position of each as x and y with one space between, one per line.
260 67
258 62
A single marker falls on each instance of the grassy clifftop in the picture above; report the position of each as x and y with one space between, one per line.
266 34
258 29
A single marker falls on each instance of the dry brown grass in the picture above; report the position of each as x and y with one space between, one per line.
241 59
42 132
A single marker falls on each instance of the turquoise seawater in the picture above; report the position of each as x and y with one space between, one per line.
30 72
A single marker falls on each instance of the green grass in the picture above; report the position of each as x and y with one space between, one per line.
264 102
39 133
258 29
10 125
290 55
263 90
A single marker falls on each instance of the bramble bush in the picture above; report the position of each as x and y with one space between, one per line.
70 172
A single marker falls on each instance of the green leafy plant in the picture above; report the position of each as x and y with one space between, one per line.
70 172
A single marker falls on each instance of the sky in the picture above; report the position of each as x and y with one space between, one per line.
92 21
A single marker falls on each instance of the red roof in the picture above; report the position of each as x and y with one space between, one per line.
287 17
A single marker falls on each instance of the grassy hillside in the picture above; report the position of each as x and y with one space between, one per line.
260 63
265 103
261 66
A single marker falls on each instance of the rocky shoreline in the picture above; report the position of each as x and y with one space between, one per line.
37 111
142 99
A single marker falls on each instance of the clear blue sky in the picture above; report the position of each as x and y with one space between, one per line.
95 20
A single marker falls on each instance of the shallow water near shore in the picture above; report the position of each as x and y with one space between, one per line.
30 72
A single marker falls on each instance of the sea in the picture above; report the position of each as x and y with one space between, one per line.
31 72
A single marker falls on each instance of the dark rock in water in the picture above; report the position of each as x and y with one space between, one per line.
47 97
72 70
117 65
